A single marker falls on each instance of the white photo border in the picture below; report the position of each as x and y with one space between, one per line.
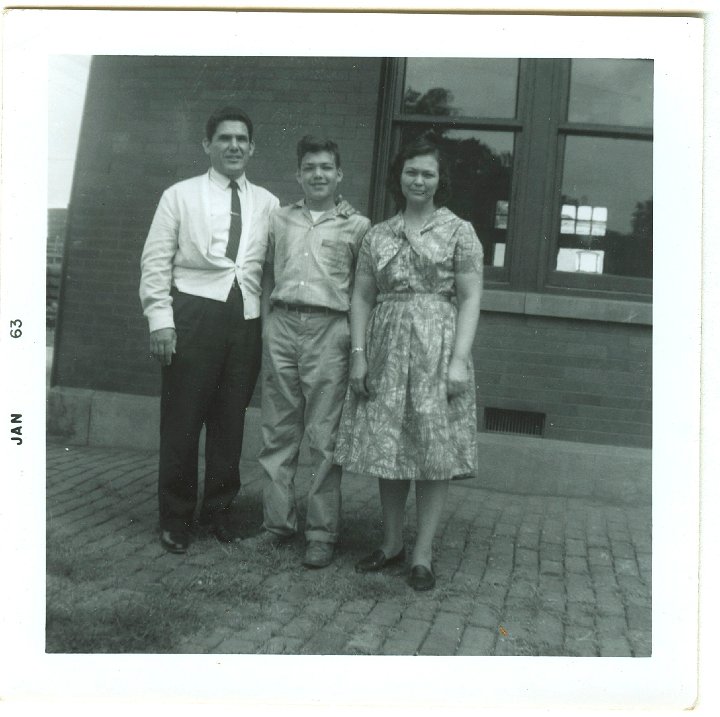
665 680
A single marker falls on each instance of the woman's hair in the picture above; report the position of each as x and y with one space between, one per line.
425 144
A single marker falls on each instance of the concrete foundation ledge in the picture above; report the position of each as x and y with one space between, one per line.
509 464
83 417
538 466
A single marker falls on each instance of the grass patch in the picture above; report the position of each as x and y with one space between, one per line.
171 604
117 624
65 560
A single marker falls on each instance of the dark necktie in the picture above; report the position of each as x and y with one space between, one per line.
235 223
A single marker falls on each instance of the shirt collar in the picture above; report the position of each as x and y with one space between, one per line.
224 182
300 204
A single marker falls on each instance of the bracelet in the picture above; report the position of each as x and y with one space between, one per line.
357 349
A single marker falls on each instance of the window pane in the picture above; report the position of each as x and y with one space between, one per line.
480 180
612 92
460 87
606 221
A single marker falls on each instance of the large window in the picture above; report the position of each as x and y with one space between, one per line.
481 173
611 92
606 207
604 229
471 104
551 161
463 88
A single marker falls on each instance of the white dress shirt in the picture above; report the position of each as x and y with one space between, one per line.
186 244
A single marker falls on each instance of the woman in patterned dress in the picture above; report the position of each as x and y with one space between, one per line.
409 413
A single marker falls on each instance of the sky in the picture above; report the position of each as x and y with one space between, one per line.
67 81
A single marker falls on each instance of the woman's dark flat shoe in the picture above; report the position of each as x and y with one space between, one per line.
377 561
421 578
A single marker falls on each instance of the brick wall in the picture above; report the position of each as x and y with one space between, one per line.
142 131
593 380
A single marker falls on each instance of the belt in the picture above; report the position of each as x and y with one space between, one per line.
305 308
412 296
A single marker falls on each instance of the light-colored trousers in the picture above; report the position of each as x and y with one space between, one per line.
304 379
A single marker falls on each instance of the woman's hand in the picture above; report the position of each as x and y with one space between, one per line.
358 374
458 378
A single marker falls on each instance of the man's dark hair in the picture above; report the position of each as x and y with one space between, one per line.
227 113
309 144
426 144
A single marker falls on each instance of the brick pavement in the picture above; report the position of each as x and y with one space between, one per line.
517 575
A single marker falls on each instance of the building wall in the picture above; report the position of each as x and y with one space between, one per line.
591 379
142 131
57 219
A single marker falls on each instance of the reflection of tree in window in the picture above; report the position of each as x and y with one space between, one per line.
639 262
480 178
642 221
436 101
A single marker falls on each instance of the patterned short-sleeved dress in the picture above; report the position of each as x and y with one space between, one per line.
408 429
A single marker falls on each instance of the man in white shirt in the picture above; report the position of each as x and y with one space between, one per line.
200 291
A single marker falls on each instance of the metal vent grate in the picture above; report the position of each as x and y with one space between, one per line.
505 420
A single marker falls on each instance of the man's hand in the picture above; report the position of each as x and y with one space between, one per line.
344 206
162 345
458 378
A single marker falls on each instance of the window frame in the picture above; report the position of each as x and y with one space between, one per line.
392 120
632 288
540 129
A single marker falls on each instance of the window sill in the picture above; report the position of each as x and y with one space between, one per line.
567 307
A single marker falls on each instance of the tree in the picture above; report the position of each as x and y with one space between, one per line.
436 101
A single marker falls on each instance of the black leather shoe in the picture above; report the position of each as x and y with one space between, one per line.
222 531
174 541
421 578
377 561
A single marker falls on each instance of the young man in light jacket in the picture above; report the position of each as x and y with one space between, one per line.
200 291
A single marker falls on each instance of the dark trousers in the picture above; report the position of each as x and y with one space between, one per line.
209 382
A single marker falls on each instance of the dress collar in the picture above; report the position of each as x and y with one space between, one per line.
442 215
431 246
